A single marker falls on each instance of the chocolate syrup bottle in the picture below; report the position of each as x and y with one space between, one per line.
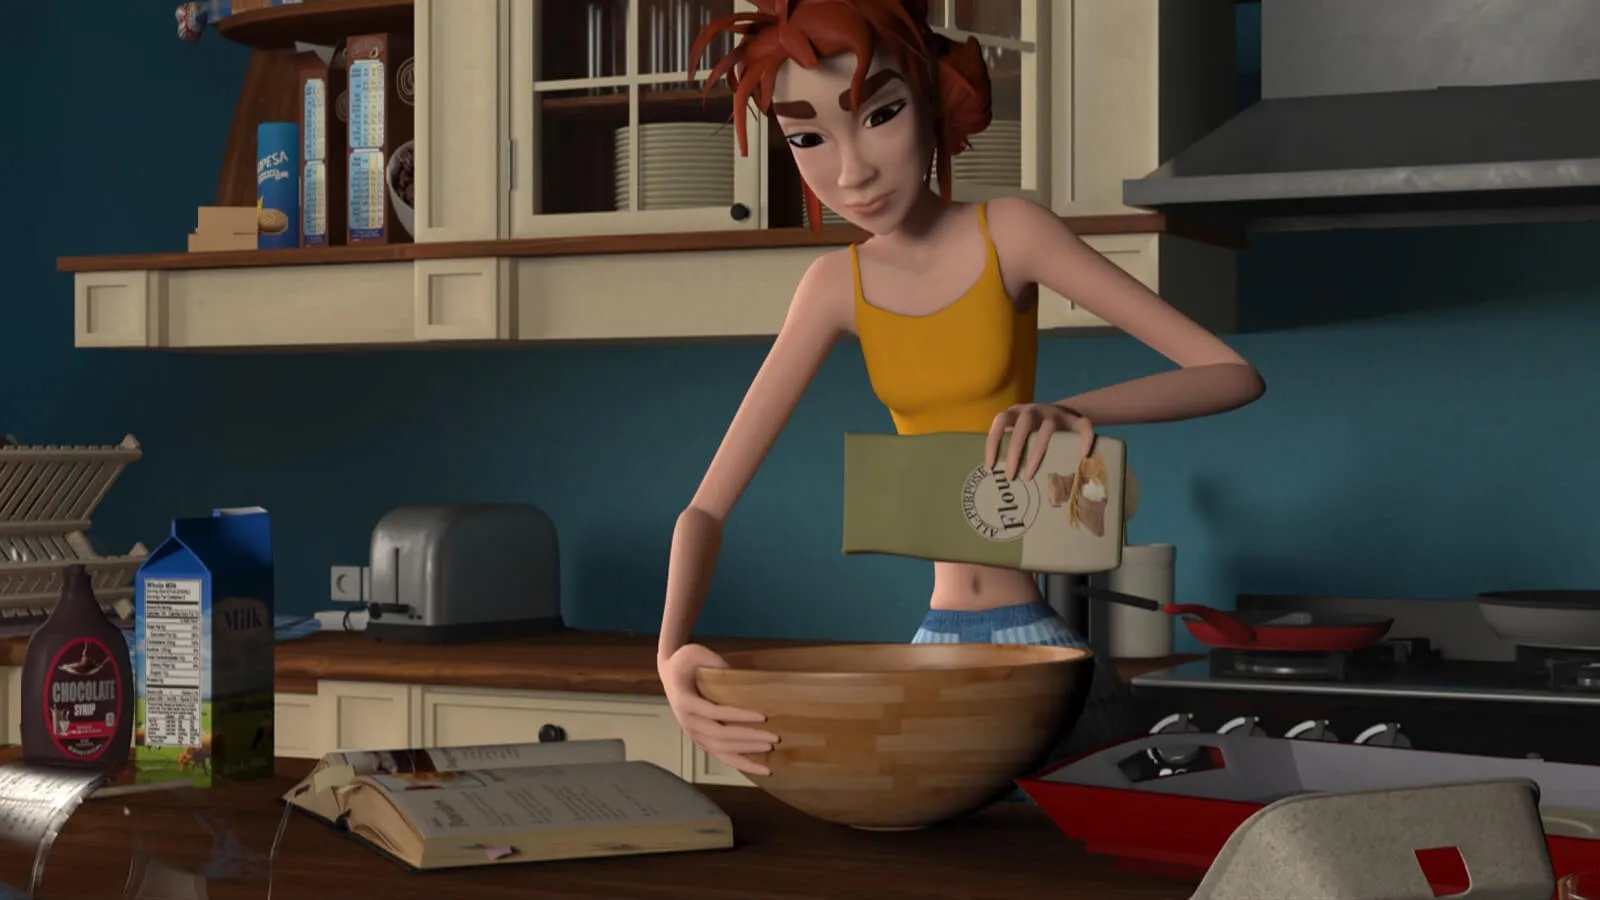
77 684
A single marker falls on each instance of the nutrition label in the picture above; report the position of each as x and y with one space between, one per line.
314 115
174 659
366 193
366 104
314 203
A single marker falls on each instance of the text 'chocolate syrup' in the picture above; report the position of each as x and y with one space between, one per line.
77 684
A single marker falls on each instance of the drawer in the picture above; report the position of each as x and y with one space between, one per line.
297 726
365 715
464 717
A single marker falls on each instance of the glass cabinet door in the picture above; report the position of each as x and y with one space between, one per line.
608 134
1011 156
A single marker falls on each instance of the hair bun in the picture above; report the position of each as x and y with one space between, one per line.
964 97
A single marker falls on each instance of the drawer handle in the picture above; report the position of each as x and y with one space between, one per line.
550 734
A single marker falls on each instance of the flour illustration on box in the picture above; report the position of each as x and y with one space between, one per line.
204 670
931 496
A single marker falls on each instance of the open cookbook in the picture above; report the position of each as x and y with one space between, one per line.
475 806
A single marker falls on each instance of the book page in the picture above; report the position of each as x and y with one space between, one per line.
488 756
546 798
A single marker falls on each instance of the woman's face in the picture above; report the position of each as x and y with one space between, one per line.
867 164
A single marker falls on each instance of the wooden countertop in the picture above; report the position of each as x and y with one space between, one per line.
587 661
1007 853
590 661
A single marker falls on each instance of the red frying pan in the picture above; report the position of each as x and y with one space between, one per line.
1276 631
1266 631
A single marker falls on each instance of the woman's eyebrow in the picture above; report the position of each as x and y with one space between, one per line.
794 109
872 85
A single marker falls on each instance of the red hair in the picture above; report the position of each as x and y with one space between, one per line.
951 79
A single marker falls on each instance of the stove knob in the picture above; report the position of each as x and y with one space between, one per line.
1177 723
1249 726
1385 735
1312 730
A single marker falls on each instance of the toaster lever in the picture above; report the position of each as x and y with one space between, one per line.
376 610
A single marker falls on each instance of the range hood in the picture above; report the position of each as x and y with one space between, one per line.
1403 112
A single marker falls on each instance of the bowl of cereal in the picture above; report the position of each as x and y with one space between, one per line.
900 736
402 178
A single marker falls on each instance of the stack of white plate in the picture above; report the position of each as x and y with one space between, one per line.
682 165
995 157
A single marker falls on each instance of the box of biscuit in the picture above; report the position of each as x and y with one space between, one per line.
931 496
277 185
322 101
381 153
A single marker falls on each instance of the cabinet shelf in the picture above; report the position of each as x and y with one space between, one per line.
761 239
315 22
654 105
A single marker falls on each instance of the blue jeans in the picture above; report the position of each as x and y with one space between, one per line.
1107 716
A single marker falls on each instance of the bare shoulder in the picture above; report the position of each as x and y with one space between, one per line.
825 292
1027 236
1019 216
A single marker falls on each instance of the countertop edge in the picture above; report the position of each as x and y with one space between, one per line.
297 679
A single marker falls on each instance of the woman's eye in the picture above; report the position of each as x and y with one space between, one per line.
804 140
884 113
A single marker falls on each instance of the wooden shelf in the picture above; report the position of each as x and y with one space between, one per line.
315 22
770 238
653 104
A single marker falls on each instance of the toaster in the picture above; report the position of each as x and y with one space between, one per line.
462 572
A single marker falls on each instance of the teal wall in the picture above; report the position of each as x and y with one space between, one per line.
1429 429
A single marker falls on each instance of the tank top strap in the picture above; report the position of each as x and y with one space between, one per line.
983 228
991 255
855 274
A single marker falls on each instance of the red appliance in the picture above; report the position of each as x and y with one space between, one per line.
1159 806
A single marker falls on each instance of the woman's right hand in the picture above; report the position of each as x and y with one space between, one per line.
721 731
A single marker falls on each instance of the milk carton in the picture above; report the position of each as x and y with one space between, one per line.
203 652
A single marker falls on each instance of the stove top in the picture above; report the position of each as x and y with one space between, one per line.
1558 680
1458 694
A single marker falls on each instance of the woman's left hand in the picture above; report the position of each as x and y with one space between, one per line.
1030 426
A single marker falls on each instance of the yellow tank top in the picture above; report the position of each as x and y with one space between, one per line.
957 368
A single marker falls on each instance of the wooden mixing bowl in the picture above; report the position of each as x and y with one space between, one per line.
898 736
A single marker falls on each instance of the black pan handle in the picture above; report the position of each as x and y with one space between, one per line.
1094 593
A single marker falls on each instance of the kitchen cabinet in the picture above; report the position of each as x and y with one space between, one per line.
522 105
375 716
609 136
461 129
1132 83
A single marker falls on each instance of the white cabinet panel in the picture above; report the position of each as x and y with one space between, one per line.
463 717
462 62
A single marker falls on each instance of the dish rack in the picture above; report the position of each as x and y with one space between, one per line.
47 496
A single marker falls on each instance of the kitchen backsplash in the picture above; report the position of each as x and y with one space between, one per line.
1425 443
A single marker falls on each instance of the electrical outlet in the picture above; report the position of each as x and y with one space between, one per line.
347 584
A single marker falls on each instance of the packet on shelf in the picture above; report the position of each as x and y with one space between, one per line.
382 155
930 496
223 228
323 104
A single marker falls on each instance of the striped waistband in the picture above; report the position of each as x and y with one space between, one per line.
1001 617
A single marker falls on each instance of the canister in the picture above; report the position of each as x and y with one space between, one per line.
277 185
1146 571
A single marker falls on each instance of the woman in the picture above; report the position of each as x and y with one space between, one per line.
870 100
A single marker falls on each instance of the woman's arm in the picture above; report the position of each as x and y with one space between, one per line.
1036 247
817 317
